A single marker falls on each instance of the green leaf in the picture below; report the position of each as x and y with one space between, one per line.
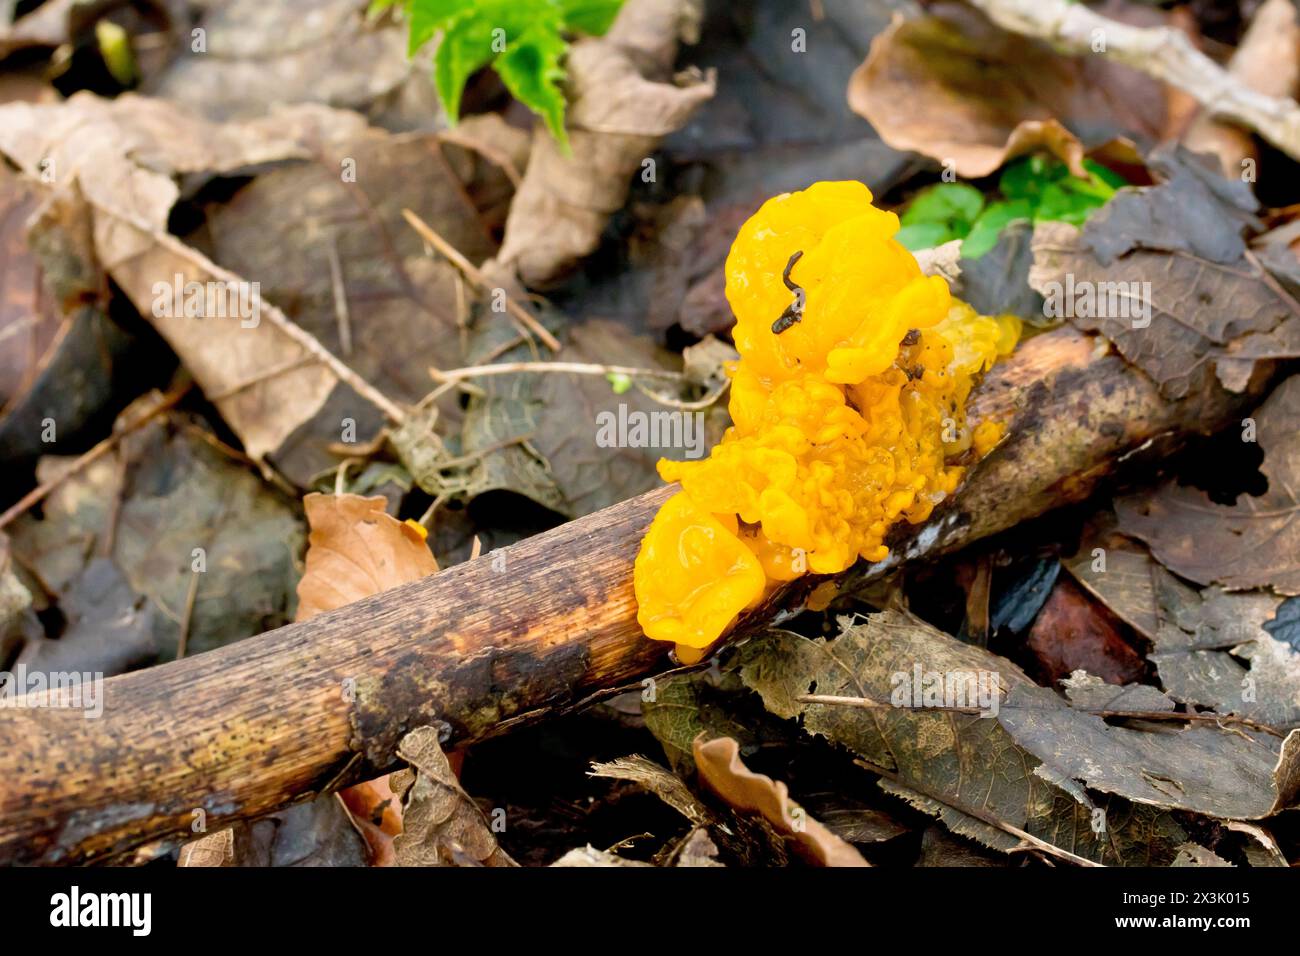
592 17
523 40
1061 203
428 17
531 71
983 235
953 203
1028 177
925 235
465 47
619 382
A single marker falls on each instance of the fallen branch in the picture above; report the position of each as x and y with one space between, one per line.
543 627
1162 52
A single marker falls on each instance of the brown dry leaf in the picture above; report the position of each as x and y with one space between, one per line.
442 825
356 549
215 849
589 856
322 247
1213 649
952 86
621 104
726 775
115 165
1037 769
259 55
1267 61
1116 570
1073 632
1253 543
696 849
58 352
45 26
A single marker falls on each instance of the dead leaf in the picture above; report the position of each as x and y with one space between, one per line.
589 856
259 55
1023 771
697 850
174 511
356 549
725 774
122 159
655 779
1267 61
61 358
1117 570
1182 318
344 265
1212 650
442 825
316 833
684 706
1193 854
1072 632
621 104
998 281
44 26
215 849
951 85
581 454
1253 543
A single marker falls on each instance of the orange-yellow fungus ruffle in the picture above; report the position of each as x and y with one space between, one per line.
844 419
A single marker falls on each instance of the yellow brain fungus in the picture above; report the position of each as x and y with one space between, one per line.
847 404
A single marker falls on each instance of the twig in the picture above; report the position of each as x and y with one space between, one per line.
1162 52
475 276
38 493
340 299
983 816
300 336
867 703
190 595
576 368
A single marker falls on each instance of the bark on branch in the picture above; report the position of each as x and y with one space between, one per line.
246 730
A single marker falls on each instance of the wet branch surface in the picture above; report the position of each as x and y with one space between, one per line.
483 647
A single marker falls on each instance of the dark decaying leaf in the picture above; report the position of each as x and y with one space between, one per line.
687 705
1074 632
1211 650
174 513
61 357
998 281
1117 570
316 833
322 246
1022 770
1171 282
567 464
1253 543
442 825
